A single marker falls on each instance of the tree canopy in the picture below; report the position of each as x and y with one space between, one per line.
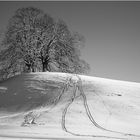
35 41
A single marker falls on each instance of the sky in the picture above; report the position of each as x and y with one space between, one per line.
111 30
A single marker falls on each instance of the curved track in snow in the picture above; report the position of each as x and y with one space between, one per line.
78 85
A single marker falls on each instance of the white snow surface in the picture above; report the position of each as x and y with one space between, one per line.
114 105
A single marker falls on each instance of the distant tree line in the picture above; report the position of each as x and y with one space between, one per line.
36 42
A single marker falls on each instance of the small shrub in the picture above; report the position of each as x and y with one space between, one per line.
29 118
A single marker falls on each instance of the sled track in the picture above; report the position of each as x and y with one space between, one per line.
78 85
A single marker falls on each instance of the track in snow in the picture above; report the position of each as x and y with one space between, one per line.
78 85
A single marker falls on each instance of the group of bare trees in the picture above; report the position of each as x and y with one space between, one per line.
34 41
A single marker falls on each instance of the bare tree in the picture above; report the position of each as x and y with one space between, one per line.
34 41
19 38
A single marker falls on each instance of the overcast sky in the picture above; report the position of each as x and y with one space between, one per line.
111 30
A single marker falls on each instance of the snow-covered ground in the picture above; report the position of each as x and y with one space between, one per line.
114 105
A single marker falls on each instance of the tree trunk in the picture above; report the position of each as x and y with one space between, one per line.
33 70
29 68
43 67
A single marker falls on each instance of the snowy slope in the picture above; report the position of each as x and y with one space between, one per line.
114 106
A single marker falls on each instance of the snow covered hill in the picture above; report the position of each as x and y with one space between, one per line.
60 105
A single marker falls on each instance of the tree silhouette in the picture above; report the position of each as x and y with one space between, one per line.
34 41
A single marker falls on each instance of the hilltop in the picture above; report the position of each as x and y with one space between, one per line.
68 106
